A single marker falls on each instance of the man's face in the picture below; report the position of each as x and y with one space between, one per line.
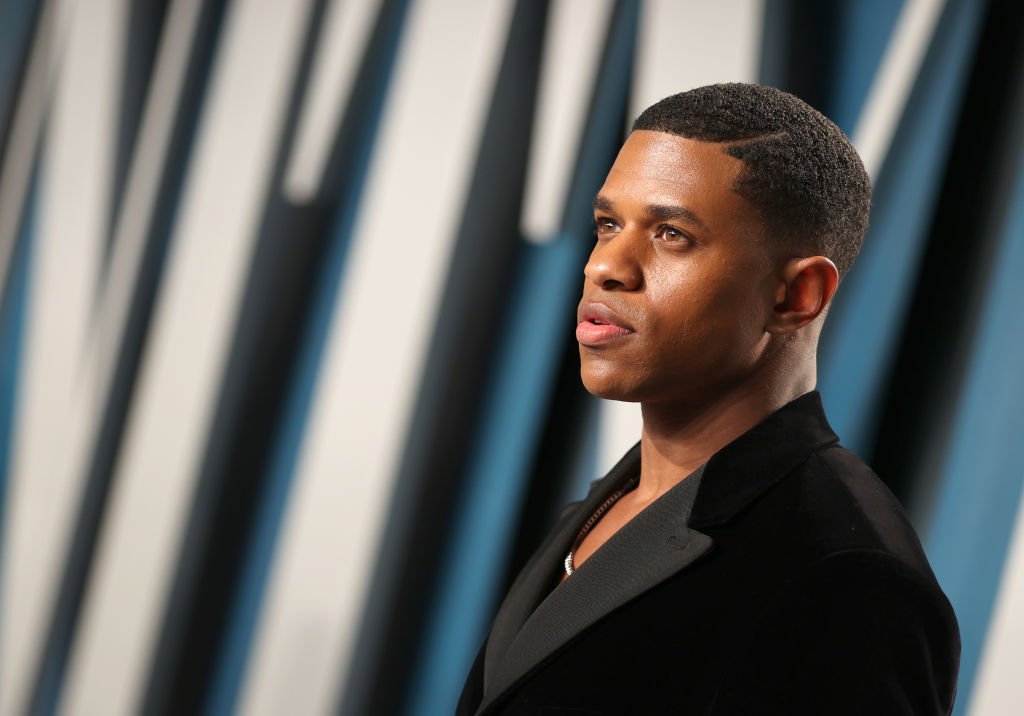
679 285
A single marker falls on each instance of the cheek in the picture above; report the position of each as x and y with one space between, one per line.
690 301
716 316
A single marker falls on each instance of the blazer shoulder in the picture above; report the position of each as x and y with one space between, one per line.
844 505
852 618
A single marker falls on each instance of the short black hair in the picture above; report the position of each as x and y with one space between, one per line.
801 173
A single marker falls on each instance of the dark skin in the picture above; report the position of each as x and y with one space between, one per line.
718 323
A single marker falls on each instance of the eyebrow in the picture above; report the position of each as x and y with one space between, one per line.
660 212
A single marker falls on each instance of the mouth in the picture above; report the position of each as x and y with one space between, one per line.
599 325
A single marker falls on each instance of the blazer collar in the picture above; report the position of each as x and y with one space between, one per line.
741 471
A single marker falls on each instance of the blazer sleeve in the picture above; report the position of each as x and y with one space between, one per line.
859 633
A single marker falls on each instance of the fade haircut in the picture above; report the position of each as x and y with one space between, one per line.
800 171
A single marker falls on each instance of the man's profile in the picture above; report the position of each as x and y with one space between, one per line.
738 560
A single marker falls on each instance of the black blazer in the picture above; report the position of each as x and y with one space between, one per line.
797 586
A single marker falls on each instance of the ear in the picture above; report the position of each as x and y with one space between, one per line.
805 287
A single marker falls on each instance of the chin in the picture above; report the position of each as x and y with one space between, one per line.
609 388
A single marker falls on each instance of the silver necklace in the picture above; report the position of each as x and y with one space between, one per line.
594 519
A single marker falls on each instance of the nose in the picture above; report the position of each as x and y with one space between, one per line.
615 264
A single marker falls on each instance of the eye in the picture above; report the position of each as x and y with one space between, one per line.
604 226
672 234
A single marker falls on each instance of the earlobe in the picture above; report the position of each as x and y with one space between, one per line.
806 286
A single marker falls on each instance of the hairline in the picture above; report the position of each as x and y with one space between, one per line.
769 231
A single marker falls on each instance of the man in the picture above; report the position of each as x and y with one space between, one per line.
738 560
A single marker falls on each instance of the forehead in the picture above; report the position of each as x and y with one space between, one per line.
665 169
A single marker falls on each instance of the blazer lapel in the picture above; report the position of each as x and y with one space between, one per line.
650 548
540 573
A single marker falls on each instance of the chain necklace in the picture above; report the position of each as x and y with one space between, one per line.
594 519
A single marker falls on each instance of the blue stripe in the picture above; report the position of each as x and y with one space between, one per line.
498 466
868 313
230 666
863 33
515 404
981 482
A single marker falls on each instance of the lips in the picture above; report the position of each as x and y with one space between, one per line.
599 324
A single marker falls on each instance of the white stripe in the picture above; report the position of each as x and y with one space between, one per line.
383 321
683 44
147 166
894 81
999 684
55 393
185 358
343 42
573 42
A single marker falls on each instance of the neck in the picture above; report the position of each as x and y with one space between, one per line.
678 437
